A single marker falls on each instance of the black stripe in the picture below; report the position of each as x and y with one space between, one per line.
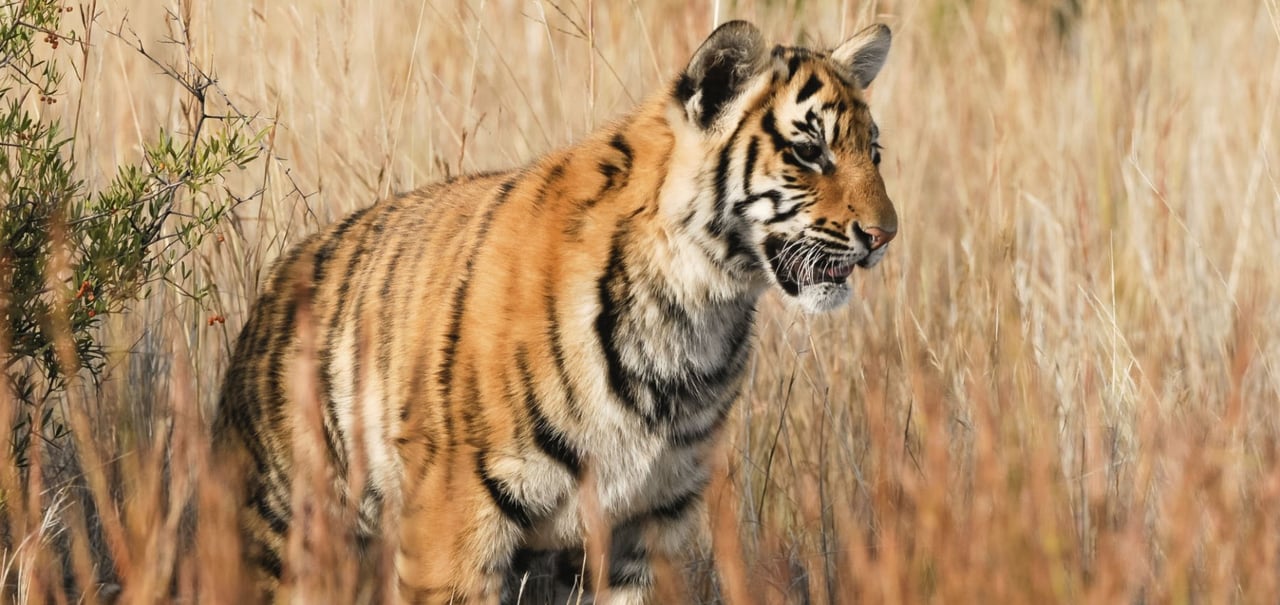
320 270
674 399
794 64
267 560
551 441
558 356
628 155
430 442
266 466
477 434
448 354
716 227
369 349
687 438
842 237
610 173
368 516
446 235
331 242
511 507
774 196
695 387
811 86
769 124
786 214
444 376
736 246
573 231
275 397
687 219
276 521
423 229
622 578
284 331
385 327
242 404
789 158
672 310
689 388
749 165
253 342
552 177
607 324
676 507
329 348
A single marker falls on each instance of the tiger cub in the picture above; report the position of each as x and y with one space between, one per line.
486 342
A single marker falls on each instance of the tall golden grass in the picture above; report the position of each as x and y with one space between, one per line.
1062 385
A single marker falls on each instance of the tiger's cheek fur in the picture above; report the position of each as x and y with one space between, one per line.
486 343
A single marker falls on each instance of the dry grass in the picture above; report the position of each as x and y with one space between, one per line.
1063 385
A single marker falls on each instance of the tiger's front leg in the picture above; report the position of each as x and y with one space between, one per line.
631 577
636 550
456 541
642 548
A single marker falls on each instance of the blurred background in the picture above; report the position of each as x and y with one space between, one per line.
1062 385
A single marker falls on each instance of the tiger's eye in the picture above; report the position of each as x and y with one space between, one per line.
808 152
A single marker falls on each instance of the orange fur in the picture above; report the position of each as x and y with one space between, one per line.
484 340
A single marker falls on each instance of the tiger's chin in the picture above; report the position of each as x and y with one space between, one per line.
816 292
812 277
823 297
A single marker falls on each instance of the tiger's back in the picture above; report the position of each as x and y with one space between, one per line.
484 343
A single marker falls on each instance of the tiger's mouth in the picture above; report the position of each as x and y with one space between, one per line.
801 263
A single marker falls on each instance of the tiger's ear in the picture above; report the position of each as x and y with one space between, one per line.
720 70
864 54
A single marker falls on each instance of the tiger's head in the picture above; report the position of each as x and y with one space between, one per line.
793 158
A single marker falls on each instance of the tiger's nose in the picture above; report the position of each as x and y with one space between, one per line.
875 236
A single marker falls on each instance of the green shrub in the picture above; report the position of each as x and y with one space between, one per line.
113 243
